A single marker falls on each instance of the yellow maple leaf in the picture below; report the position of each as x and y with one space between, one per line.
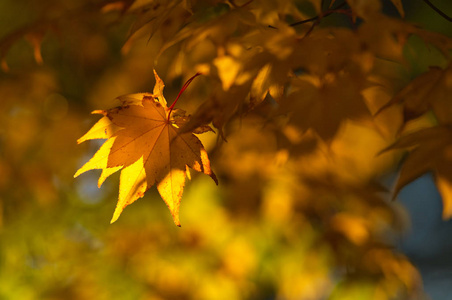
144 142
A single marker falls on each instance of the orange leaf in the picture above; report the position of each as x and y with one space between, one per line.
148 147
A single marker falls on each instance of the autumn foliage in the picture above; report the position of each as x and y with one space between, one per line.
143 137
302 109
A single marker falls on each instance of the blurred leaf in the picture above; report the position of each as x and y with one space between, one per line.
430 90
398 4
324 103
430 150
150 12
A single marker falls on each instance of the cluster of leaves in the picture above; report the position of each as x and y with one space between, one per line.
306 109
313 76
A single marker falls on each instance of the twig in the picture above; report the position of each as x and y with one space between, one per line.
440 12
304 21
316 18
310 29
324 14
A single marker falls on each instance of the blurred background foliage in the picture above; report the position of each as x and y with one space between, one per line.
305 220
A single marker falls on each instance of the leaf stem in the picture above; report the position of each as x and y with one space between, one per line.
184 87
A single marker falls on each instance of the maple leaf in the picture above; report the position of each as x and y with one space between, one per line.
324 103
430 90
150 12
431 150
144 142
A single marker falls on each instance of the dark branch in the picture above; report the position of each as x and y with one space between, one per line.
305 21
325 14
440 12
316 18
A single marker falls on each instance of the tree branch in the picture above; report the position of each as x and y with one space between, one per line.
316 18
325 14
440 12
